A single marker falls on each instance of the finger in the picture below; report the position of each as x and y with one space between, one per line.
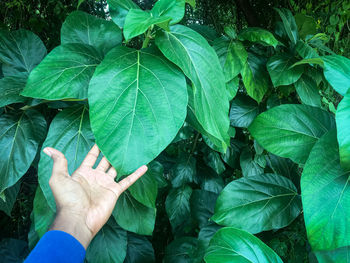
103 165
91 157
60 165
128 181
112 172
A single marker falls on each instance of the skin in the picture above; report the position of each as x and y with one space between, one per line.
85 200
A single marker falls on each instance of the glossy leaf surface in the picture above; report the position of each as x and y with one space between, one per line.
289 24
308 92
119 10
243 111
175 9
10 88
337 72
343 127
139 250
258 35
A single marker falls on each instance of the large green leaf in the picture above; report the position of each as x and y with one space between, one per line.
80 27
64 73
249 165
192 53
145 189
291 130
343 128
243 111
202 206
71 134
21 133
119 10
339 255
10 88
175 9
138 21
306 25
258 203
326 196
20 51
258 35
10 194
337 72
289 24
308 92
134 216
109 245
139 250
233 245
255 77
138 100
232 56
177 206
281 73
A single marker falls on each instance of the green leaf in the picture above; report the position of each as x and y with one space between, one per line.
109 245
255 77
234 245
145 189
145 107
326 196
43 216
191 52
232 154
337 72
343 128
243 111
258 35
119 9
177 206
291 130
134 216
232 56
306 25
339 255
10 88
181 250
139 250
311 61
210 180
271 198
138 21
64 73
20 51
280 70
175 9
71 134
308 92
232 87
13 250
183 171
156 169
80 27
207 232
21 133
305 50
10 198
214 161
207 32
289 24
249 165
202 206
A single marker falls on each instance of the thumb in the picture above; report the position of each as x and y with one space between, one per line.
60 166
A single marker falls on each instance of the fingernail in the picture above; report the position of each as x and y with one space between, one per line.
47 151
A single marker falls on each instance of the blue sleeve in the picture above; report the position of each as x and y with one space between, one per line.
57 247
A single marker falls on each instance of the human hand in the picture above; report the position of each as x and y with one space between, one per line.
85 200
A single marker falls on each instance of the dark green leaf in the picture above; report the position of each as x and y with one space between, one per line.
209 180
20 135
232 154
258 35
289 24
71 134
255 77
232 88
243 111
337 72
181 250
343 128
206 31
214 161
326 196
134 216
184 171
64 73
281 73
139 250
249 165
13 250
20 51
191 52
290 130
80 27
10 88
157 171
308 92
207 232
145 107
202 206
119 10
306 25
10 198
234 245
258 203
305 50
109 245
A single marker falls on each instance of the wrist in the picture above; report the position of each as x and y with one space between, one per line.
74 225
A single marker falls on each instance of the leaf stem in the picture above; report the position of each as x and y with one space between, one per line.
148 37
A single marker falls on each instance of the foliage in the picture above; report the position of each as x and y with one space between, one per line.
239 129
